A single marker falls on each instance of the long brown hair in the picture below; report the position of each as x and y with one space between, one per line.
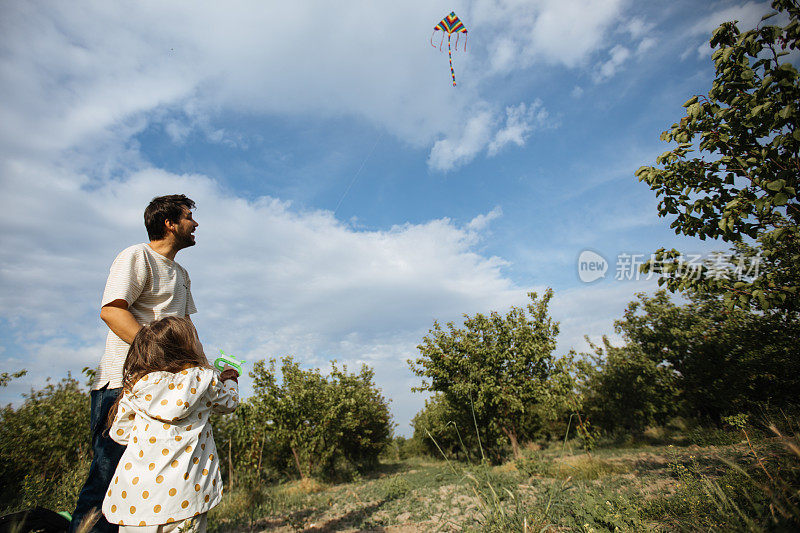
169 344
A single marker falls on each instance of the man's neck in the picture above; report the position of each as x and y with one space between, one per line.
165 247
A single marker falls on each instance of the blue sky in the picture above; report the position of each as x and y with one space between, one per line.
348 195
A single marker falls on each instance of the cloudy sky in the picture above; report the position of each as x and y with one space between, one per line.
348 195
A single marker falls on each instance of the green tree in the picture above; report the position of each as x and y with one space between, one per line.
623 388
44 446
726 361
243 443
320 426
440 428
499 368
364 421
5 377
742 183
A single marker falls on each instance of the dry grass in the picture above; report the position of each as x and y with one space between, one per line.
585 467
89 521
302 487
510 466
653 488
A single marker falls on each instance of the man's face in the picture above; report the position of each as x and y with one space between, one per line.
184 230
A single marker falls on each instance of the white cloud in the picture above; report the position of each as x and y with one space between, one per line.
448 153
638 40
77 81
177 131
546 31
520 120
592 309
503 54
268 279
747 14
486 130
72 72
480 222
618 55
638 28
645 45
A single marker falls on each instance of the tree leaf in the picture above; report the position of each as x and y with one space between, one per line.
776 185
780 199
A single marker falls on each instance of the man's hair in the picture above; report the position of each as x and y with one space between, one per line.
161 209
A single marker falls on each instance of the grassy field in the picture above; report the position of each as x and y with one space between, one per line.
635 488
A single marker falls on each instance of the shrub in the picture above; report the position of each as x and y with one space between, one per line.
500 371
315 426
45 447
622 388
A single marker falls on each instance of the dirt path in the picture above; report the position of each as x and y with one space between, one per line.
420 495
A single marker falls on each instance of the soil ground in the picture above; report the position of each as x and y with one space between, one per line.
556 490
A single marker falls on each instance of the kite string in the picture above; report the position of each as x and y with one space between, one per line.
364 162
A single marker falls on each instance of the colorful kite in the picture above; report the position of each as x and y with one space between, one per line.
450 24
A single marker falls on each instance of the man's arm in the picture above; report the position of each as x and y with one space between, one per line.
196 335
119 320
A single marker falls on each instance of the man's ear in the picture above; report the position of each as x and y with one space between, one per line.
170 226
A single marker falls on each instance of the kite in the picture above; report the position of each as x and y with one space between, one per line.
450 24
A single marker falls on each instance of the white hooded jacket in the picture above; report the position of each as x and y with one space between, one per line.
170 468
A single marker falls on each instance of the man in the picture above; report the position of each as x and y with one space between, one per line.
144 285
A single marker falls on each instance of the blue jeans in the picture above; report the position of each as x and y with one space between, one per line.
106 456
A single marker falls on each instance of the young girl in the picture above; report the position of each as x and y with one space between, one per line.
168 477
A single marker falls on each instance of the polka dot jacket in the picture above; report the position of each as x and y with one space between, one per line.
170 468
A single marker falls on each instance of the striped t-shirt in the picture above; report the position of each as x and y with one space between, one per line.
154 287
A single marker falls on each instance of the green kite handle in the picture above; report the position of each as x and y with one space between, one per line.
230 360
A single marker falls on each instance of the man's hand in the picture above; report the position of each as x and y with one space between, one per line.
120 320
228 372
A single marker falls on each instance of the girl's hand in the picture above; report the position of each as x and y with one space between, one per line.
228 372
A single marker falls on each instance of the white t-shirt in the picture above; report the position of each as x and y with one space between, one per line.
170 468
154 287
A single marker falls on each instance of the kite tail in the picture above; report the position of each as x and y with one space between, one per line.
432 34
466 36
442 41
450 57
457 34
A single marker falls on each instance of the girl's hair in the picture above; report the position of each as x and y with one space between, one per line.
169 344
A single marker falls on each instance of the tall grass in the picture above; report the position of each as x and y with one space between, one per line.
758 493
562 497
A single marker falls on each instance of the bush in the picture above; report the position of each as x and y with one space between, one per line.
315 426
757 493
622 388
699 360
441 429
45 447
703 436
499 372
